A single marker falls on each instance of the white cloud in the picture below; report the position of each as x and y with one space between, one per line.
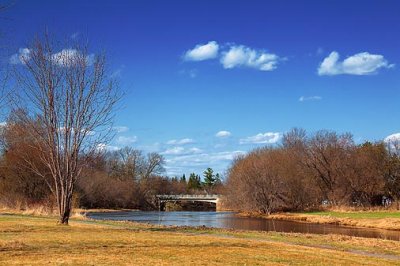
181 151
393 137
310 98
393 142
23 55
126 140
358 64
205 159
202 52
223 134
180 141
69 57
242 56
120 129
188 163
102 147
3 124
262 138
65 58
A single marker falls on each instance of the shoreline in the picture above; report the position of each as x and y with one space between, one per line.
387 223
85 211
122 242
323 217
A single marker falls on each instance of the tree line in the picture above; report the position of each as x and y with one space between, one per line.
308 171
125 178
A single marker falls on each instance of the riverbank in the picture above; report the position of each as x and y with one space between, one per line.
389 220
26 239
43 211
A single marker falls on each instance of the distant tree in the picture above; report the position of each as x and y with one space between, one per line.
366 177
194 181
328 159
131 163
255 182
392 177
218 179
19 185
126 163
183 179
209 178
154 165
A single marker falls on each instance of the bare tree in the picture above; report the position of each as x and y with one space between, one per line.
255 182
69 92
328 158
153 165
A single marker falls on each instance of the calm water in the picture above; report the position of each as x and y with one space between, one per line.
230 220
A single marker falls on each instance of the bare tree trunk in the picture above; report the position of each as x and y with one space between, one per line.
71 100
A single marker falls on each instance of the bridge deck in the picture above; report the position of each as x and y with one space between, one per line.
188 197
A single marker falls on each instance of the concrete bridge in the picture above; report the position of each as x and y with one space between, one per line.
162 199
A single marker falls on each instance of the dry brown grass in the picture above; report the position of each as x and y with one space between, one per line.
36 210
29 240
332 218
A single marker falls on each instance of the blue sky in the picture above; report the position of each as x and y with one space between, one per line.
254 69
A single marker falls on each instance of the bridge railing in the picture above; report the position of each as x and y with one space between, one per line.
183 196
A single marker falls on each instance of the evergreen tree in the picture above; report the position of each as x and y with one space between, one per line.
194 181
209 178
218 180
183 179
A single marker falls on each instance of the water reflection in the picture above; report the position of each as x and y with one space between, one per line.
230 220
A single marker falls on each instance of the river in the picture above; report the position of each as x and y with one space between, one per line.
229 220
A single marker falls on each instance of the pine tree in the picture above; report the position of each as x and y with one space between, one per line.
218 180
209 178
183 179
194 181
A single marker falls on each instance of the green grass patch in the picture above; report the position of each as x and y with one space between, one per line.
357 215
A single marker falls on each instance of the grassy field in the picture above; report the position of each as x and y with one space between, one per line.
33 240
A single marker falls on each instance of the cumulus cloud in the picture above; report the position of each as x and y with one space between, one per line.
393 137
223 134
69 57
358 64
202 52
180 141
23 55
393 142
242 56
181 151
310 98
262 138
126 140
